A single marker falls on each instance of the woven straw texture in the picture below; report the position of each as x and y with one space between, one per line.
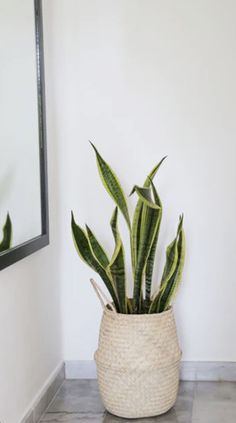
137 361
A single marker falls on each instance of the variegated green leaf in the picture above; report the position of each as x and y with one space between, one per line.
137 216
148 228
170 265
97 249
117 269
130 306
7 235
172 258
117 265
175 279
112 185
135 232
145 196
171 261
153 172
113 224
85 252
151 257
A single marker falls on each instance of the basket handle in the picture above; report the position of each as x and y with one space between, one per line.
102 297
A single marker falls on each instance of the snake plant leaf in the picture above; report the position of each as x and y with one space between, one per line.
97 248
7 235
137 215
135 232
170 266
112 185
117 269
151 257
175 279
148 228
171 261
171 256
145 196
117 265
153 172
113 223
86 254
168 278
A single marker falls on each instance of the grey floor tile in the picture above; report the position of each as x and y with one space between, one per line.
182 410
77 396
215 402
180 413
214 412
78 401
215 391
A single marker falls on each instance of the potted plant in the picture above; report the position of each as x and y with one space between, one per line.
138 356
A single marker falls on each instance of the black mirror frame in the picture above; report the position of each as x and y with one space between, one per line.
19 252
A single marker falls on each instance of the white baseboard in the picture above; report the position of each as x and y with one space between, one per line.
80 369
218 371
45 396
190 370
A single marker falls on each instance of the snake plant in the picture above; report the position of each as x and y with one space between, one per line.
7 235
144 231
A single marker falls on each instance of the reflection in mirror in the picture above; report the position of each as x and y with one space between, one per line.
24 225
20 191
5 243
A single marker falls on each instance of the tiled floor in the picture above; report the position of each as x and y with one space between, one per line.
78 401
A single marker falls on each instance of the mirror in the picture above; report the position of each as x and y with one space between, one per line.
23 177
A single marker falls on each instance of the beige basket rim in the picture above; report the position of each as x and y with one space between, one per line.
105 302
146 316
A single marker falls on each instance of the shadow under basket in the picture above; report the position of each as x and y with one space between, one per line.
138 361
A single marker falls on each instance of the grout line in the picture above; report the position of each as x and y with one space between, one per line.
82 413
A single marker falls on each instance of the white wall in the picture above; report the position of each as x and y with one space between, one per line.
30 312
141 79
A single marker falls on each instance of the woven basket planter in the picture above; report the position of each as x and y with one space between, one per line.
138 360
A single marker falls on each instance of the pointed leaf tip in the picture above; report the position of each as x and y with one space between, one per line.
132 191
72 217
112 185
93 146
144 195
